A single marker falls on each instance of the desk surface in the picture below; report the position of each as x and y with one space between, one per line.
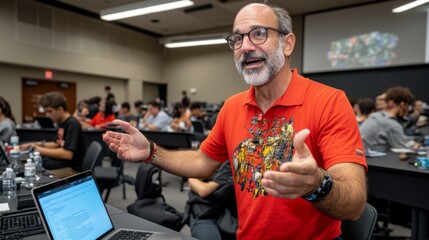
123 219
391 162
398 181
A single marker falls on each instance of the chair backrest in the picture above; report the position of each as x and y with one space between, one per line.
198 126
362 228
92 156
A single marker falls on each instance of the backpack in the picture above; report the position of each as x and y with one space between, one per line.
150 203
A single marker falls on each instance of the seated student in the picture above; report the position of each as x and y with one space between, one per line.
380 102
181 119
7 121
207 200
62 157
125 114
141 110
197 114
417 123
103 117
157 119
365 107
382 129
93 106
82 111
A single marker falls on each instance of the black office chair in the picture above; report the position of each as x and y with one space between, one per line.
92 156
198 126
112 176
362 228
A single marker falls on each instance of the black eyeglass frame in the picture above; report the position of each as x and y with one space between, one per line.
248 35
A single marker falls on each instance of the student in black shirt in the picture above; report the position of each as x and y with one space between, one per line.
62 157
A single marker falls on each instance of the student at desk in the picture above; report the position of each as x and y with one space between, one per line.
382 130
157 119
62 157
7 121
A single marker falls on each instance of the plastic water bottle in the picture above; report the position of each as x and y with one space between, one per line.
29 174
38 162
14 156
14 141
9 183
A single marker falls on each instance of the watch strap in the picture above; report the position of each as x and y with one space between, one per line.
323 189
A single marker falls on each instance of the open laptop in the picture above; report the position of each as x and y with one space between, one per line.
44 122
72 208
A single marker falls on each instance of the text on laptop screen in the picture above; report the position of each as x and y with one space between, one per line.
75 210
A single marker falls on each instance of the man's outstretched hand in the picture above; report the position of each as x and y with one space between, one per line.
296 178
131 145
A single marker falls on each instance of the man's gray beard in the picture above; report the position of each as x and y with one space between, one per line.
258 76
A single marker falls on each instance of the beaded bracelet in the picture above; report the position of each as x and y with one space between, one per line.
152 154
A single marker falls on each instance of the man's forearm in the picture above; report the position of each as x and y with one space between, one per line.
186 163
346 200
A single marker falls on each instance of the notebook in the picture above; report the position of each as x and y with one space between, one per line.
72 208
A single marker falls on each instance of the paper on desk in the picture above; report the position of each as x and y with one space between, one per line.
402 150
371 153
4 207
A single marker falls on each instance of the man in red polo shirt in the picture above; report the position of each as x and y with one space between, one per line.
294 145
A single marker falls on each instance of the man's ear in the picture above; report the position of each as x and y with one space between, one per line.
289 44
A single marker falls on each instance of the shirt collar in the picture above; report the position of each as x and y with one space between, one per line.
293 96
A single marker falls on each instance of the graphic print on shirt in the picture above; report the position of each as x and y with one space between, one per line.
270 144
60 139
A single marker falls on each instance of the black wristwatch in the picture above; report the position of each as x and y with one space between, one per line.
322 190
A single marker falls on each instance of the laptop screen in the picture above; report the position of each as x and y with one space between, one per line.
44 122
72 208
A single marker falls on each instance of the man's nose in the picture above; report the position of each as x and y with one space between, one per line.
247 44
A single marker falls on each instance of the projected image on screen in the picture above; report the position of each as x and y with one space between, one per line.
371 49
364 37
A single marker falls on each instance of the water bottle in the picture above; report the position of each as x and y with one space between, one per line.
14 157
38 162
14 141
9 183
29 174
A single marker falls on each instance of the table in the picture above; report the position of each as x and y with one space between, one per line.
123 219
169 140
398 181
48 134
120 218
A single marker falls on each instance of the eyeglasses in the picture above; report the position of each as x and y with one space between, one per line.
257 36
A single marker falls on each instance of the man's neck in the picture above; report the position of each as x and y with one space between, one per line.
64 117
267 94
392 112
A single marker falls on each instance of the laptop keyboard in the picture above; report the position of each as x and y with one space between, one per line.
130 235
15 226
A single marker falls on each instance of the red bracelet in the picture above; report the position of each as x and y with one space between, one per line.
152 154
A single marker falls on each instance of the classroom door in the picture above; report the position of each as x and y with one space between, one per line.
33 89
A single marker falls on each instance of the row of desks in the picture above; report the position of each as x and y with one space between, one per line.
398 181
169 140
